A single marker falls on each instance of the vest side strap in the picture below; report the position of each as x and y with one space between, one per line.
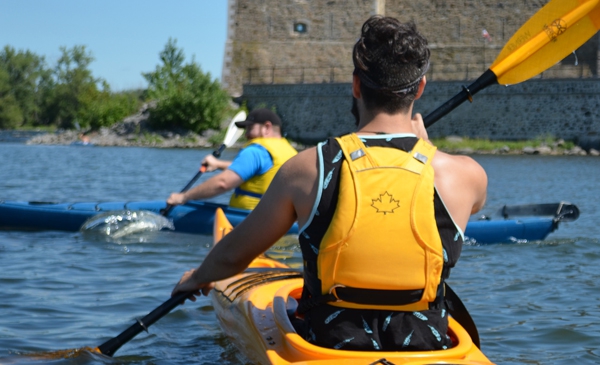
377 297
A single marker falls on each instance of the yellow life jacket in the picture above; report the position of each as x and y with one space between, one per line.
248 194
382 250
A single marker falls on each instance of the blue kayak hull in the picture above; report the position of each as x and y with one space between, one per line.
197 217
509 230
194 217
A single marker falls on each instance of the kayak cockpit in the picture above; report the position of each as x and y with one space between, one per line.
293 346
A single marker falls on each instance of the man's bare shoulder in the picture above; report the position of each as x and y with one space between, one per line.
302 164
296 182
456 163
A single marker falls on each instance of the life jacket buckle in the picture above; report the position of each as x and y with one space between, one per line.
420 157
357 154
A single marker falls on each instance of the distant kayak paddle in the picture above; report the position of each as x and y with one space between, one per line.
231 136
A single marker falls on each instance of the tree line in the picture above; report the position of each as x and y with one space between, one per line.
68 96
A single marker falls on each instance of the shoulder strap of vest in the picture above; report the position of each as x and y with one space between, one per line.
354 149
422 154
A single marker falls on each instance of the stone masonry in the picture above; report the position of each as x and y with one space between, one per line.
295 56
310 41
568 109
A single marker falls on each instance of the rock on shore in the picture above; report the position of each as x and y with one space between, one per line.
132 131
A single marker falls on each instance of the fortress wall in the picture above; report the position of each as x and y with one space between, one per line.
568 109
262 37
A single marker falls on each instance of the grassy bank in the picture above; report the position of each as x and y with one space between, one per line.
460 144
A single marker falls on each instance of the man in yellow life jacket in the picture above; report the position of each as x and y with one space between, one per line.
252 170
381 212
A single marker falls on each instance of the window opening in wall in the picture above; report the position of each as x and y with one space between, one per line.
300 27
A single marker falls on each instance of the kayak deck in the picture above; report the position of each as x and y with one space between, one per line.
254 310
511 224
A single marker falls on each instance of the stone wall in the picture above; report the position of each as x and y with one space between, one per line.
295 55
568 109
296 41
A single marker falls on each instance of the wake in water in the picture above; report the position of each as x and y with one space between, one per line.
120 223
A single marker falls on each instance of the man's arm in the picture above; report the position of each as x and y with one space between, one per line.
460 180
290 197
462 184
212 163
214 186
269 221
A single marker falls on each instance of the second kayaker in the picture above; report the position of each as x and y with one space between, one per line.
382 212
252 170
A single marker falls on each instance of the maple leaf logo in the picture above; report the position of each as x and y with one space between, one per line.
385 203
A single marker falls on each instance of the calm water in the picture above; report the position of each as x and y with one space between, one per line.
534 303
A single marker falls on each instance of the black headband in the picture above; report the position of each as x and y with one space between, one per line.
400 90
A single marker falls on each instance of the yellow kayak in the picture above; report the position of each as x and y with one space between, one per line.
253 307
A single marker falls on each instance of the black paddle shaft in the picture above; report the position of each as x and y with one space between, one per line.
217 154
111 346
488 78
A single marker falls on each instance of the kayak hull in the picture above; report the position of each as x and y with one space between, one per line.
253 309
510 231
510 225
194 217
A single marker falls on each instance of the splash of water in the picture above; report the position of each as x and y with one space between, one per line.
120 223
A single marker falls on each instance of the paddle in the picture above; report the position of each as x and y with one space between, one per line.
111 346
551 34
231 136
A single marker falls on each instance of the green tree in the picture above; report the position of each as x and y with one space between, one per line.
66 96
186 97
103 108
10 113
22 74
75 87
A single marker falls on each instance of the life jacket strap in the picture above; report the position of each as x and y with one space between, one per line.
307 304
377 296
371 297
239 191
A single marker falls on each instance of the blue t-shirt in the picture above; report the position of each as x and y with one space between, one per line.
251 161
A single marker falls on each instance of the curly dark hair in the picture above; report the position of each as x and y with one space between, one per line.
390 58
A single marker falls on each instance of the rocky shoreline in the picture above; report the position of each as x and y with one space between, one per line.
122 137
134 131
556 149
110 137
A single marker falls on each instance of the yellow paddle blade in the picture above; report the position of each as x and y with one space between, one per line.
554 32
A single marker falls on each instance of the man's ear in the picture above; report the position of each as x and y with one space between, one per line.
269 127
422 84
356 86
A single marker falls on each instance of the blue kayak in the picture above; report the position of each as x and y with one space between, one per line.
516 223
520 223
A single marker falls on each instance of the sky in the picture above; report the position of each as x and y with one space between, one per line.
124 37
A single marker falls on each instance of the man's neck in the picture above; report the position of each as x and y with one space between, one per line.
385 123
